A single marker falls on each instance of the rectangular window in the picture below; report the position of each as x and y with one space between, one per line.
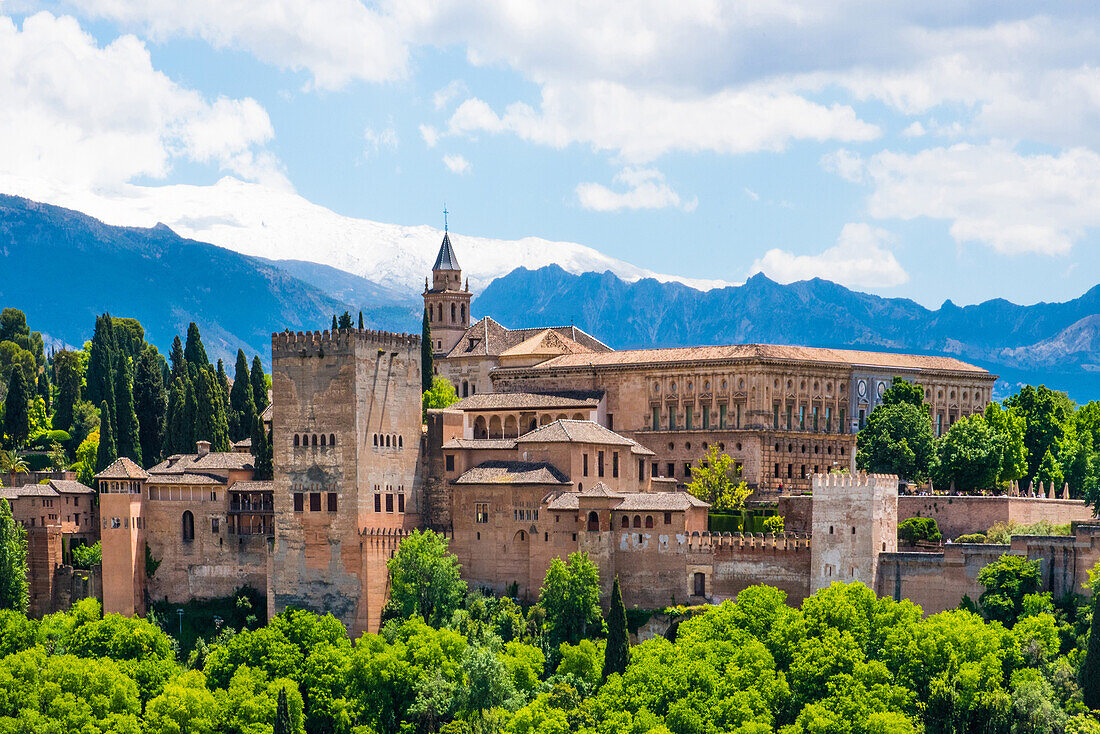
377 503
610 422
802 417
314 501
584 461
776 472
389 502
828 419
789 470
706 417
739 415
641 470
687 470
298 503
671 470
481 512
862 418
775 416
939 424
803 471
668 518
722 415
401 502
615 464
815 418
790 422
656 419
654 470
689 417
841 427
332 502
214 523
672 418
450 462
599 463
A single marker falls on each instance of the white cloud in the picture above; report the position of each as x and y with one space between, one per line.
861 258
335 41
641 126
378 139
76 114
752 194
1012 202
447 94
646 189
844 163
430 135
914 130
456 163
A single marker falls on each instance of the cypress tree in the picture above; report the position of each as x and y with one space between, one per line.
128 443
1090 666
426 360
177 358
282 715
101 374
180 433
223 399
17 416
44 388
13 562
617 653
241 405
334 322
360 321
261 451
150 405
259 385
69 376
195 353
107 451
210 421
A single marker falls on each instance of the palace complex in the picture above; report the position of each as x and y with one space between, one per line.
559 443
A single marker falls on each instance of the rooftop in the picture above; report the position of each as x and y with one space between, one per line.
446 259
487 338
27 490
252 486
183 478
214 461
122 468
513 472
570 431
751 352
70 486
480 443
631 501
527 400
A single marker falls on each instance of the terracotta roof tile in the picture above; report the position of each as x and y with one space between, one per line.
70 486
488 338
183 479
633 501
522 400
570 431
253 486
480 443
27 490
122 468
512 472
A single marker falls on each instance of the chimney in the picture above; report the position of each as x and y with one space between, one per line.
203 447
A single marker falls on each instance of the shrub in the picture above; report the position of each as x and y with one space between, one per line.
773 524
917 529
971 538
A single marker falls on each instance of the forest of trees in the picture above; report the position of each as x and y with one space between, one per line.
449 659
118 396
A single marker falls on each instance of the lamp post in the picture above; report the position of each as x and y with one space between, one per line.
180 612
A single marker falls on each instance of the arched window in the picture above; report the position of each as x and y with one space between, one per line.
511 428
324 440
376 439
462 312
593 522
453 317
441 312
400 442
480 429
188 524
649 521
578 417
296 440
637 521
625 522
315 439
332 439
387 441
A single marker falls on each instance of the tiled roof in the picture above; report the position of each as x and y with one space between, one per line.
244 443
70 486
522 400
122 468
214 461
27 490
183 479
253 486
446 259
633 501
569 431
512 472
599 489
268 412
480 443
749 352
488 338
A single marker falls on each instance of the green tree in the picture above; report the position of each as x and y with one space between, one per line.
617 653
425 578
259 385
69 378
43 388
177 358
360 321
242 406
1010 427
441 394
150 405
261 451
1007 581
903 392
1046 414
282 715
896 440
344 322
107 451
128 441
334 322
427 364
195 353
971 455
717 482
487 682
12 463
17 420
210 420
1090 665
100 376
570 596
182 409
13 561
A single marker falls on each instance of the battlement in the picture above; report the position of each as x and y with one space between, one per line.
882 482
289 343
698 542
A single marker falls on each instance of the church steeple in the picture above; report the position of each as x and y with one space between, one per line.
447 304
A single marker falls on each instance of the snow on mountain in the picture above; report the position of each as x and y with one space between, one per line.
281 225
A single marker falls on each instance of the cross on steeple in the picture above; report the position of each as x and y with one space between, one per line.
444 216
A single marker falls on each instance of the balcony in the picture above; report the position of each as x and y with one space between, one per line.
265 506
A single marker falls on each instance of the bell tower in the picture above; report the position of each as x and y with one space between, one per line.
446 301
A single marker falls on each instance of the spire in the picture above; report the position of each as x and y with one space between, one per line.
446 259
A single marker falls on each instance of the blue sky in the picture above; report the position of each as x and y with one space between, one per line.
932 151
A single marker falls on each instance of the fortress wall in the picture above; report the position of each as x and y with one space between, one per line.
959 515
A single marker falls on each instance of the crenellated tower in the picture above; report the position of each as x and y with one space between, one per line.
447 301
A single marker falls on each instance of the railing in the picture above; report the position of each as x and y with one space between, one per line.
265 506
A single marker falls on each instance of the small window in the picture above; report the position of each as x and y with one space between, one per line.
615 464
116 523
400 442
324 440
853 530
668 518
450 460
332 502
599 463
314 501
332 439
625 522
700 584
296 440
376 440
401 502
389 502
649 521
481 512
298 502
188 523
584 464
637 521
315 440
214 523
377 503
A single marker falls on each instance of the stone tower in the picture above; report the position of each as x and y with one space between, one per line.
122 538
346 442
855 518
447 301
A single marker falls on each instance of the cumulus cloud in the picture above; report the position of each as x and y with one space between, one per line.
447 94
378 139
456 163
430 135
78 115
861 258
1013 202
646 189
641 125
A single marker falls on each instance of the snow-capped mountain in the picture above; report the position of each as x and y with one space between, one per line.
281 225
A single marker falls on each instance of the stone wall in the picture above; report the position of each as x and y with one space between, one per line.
854 521
959 515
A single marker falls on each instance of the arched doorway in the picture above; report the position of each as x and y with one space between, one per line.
511 427
495 430
593 522
480 429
